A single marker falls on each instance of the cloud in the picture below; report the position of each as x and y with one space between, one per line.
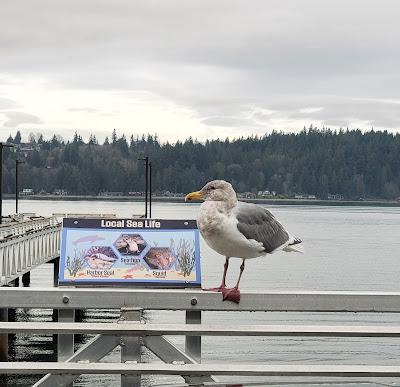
14 119
310 110
6 103
86 110
248 66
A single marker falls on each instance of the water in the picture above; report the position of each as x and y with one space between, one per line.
347 248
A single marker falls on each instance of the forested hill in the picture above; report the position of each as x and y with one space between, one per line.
350 163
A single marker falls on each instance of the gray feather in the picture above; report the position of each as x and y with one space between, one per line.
257 223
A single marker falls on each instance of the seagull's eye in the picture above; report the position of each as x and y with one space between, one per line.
212 187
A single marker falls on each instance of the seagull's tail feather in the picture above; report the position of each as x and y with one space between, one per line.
294 245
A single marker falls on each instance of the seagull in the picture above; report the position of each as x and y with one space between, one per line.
237 229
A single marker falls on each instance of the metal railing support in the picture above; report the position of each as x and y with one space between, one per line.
26 279
130 347
4 336
92 351
65 343
193 343
56 267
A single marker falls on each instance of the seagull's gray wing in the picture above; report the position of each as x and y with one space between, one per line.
257 223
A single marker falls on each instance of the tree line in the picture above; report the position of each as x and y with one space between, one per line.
351 163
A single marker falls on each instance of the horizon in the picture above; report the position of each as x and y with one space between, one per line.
25 139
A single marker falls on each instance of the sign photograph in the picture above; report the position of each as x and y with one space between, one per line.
130 251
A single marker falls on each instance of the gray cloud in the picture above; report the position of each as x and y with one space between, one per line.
233 62
13 119
83 109
6 103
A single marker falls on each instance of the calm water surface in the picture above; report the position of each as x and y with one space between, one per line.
346 248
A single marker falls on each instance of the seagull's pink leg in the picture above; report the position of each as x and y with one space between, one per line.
234 293
221 287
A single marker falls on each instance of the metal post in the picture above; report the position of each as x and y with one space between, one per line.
130 347
193 343
56 264
3 336
56 267
147 184
16 186
26 279
150 189
65 343
146 160
1 178
1 183
17 162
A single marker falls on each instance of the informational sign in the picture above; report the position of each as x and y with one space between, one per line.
130 251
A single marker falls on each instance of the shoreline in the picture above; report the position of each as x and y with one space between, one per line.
163 199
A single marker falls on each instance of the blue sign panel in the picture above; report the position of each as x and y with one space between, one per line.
130 251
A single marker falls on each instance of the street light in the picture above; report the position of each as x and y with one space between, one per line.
1 177
150 189
146 159
17 162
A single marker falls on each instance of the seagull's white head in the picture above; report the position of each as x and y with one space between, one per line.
216 190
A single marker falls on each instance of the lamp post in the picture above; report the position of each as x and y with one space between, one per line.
146 160
150 189
1 177
17 162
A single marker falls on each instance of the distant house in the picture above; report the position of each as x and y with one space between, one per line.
28 146
60 191
135 193
335 197
247 195
266 194
305 196
26 192
110 193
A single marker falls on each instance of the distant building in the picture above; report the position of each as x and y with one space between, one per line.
335 197
247 195
60 191
110 193
305 196
265 194
27 191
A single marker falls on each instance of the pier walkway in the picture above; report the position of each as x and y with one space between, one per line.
25 243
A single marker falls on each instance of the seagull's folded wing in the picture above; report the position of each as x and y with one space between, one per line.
257 223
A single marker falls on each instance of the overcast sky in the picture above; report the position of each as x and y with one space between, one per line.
200 68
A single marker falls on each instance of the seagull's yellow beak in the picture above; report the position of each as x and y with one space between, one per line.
194 196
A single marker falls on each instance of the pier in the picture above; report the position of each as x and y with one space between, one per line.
26 244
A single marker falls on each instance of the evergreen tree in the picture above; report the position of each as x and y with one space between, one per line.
17 138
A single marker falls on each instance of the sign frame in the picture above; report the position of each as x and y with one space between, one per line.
100 256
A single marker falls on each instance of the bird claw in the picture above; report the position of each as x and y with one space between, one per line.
231 295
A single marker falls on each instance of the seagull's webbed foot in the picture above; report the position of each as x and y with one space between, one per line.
231 295
220 288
